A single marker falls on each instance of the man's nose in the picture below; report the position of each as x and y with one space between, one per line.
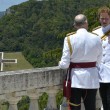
104 20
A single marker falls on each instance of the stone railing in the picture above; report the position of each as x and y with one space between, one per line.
15 84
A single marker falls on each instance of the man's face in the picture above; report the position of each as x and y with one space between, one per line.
104 19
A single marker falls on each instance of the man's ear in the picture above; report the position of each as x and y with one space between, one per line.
75 26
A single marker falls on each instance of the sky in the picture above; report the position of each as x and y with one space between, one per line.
5 4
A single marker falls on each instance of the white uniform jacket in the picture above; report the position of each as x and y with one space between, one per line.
86 47
105 65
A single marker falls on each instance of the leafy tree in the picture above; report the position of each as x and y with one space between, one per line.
38 28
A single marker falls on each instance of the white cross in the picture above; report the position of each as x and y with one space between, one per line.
2 60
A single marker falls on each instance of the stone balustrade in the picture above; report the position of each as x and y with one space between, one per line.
15 84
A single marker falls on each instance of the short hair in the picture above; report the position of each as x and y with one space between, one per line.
103 9
79 20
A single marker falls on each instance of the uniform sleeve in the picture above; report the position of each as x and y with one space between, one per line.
65 59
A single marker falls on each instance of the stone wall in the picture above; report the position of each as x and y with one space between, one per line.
15 84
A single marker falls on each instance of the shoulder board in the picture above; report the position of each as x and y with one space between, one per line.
94 33
96 28
71 33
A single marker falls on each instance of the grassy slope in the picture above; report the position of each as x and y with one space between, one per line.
21 64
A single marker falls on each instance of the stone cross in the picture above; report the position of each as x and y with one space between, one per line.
2 60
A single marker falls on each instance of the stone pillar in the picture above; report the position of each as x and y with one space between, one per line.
51 104
82 105
34 96
13 105
13 100
34 103
98 101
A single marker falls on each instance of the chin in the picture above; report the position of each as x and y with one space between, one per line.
104 25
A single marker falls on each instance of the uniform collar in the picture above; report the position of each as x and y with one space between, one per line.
81 29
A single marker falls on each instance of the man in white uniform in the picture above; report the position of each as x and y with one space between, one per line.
104 32
86 54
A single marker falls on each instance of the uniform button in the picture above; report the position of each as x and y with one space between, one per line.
103 62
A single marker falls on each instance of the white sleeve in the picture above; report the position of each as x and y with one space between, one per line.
65 59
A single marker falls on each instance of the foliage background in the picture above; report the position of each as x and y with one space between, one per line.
37 28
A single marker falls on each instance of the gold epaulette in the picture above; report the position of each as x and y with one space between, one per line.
96 28
105 35
71 33
94 33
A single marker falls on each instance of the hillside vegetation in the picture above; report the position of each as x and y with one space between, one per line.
37 28
22 63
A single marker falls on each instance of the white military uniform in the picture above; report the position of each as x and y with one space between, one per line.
86 47
105 65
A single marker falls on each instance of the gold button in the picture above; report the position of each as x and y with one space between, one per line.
103 54
103 62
